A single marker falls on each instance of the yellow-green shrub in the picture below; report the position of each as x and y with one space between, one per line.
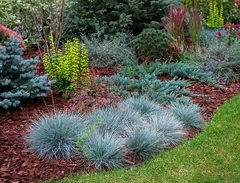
215 18
68 66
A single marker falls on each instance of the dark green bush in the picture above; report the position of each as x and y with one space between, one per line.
152 43
18 81
112 16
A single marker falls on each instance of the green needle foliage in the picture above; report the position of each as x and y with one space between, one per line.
108 51
152 43
55 135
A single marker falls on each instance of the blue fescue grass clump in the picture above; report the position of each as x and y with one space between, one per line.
189 114
137 126
105 150
170 130
143 105
55 135
113 120
143 142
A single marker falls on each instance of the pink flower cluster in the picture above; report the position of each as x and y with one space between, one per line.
8 32
232 30
237 3
232 26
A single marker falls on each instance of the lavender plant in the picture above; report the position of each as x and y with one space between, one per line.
108 51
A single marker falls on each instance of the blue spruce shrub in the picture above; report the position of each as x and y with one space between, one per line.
55 135
18 80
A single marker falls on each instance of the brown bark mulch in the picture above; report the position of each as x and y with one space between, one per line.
18 165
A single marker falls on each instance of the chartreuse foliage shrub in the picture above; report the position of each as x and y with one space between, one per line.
152 43
114 16
215 18
55 135
69 67
18 82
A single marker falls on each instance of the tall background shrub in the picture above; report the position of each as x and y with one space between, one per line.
113 16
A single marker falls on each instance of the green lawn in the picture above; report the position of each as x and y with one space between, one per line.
213 156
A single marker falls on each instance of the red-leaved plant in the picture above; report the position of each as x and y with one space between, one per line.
174 23
6 33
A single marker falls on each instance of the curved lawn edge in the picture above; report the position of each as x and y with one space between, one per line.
212 156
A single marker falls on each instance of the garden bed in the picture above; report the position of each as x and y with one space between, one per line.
17 164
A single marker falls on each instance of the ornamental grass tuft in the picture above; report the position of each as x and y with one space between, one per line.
170 130
143 142
113 120
105 150
143 105
189 114
55 135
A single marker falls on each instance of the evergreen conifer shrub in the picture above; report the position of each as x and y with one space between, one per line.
114 16
152 43
18 81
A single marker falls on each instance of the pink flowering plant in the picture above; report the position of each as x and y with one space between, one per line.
232 31
6 33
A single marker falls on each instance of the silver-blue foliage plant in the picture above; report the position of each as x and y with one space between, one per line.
55 135
105 150
189 114
18 79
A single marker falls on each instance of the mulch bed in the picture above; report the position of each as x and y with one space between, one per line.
17 164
